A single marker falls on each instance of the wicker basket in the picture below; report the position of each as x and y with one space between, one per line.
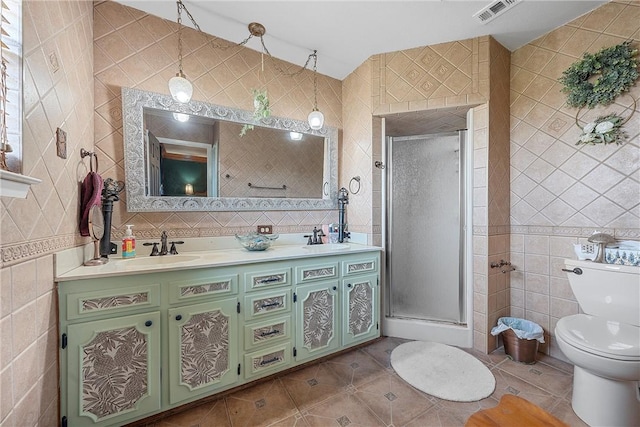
518 349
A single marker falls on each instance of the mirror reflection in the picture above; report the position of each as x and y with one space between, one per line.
192 157
189 155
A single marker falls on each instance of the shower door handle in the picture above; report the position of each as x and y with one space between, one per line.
576 270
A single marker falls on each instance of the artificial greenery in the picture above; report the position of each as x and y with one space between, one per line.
262 109
615 69
603 130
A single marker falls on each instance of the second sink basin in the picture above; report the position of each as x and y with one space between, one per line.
160 260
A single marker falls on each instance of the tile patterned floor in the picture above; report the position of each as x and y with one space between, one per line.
360 388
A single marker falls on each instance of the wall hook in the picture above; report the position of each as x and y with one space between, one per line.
379 164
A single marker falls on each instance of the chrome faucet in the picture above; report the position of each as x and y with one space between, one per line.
316 238
164 246
163 243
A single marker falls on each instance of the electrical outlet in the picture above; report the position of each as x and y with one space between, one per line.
265 229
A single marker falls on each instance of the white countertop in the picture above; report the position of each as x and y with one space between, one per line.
223 255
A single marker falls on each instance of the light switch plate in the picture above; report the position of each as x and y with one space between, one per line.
61 143
265 229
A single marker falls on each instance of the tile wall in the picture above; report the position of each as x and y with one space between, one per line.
474 74
560 192
58 82
222 76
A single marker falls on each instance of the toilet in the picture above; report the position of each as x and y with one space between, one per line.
603 342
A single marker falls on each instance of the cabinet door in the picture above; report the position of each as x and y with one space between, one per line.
203 343
317 318
113 369
360 309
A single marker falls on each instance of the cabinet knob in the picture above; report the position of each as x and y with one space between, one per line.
179 317
349 285
148 323
335 288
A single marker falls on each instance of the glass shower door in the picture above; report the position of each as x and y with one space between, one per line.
424 227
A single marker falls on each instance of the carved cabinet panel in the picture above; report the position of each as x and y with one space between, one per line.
360 309
203 342
317 314
113 369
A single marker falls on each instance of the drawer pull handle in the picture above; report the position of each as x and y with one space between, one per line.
179 317
576 270
270 279
271 304
148 323
266 334
266 362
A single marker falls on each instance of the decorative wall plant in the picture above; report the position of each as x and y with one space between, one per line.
600 77
597 80
262 110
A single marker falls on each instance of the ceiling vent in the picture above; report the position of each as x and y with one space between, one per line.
493 10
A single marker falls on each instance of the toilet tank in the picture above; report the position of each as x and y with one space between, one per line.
608 291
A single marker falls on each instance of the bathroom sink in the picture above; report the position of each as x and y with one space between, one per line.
327 247
160 260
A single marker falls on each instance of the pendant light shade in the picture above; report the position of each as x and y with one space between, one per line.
316 119
180 88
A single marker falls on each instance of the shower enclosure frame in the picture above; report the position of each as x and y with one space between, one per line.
459 334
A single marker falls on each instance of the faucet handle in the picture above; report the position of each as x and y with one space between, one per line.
173 250
154 251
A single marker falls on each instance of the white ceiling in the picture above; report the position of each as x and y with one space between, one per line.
346 33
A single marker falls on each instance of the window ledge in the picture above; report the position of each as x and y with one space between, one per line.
15 185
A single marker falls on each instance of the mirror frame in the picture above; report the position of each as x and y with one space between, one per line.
133 103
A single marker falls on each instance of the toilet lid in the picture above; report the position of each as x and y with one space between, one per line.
599 336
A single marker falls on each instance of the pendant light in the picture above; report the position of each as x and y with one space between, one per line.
180 88
316 118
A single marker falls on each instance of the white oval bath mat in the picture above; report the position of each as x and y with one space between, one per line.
443 371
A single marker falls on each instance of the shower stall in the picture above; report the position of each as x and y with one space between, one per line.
428 235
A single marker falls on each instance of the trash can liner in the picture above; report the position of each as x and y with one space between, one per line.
524 329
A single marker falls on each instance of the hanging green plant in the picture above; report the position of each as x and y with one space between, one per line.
599 78
261 109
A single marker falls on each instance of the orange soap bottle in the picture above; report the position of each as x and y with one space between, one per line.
128 243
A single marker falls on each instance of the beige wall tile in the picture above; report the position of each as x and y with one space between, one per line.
6 393
24 327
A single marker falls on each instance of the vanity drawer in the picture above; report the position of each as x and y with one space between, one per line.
263 333
264 304
266 279
203 288
360 266
320 271
267 361
112 301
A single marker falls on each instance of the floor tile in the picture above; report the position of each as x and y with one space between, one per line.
393 400
555 381
313 385
206 415
356 367
342 410
510 384
381 350
359 388
261 405
563 412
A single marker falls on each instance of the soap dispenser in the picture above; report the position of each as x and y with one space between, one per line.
128 243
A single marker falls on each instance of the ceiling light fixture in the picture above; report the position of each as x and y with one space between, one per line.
180 88
316 118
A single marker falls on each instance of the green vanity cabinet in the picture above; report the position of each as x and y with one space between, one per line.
136 344
203 350
317 319
110 356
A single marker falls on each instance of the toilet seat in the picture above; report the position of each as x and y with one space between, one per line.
601 337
